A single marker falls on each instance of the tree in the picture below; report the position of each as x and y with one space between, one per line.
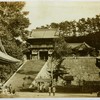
81 26
61 48
56 68
59 70
86 28
54 25
13 23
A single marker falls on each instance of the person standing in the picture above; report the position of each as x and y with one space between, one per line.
43 87
13 91
53 90
10 89
23 85
6 91
49 90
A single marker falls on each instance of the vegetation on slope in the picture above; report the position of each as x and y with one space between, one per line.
24 77
82 69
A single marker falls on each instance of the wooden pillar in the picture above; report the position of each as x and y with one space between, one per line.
38 55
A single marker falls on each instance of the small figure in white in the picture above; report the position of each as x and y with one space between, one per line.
53 90
41 88
49 91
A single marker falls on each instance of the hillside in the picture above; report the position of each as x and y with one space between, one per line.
26 74
82 68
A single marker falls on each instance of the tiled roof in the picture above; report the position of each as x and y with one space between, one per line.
79 46
83 46
5 58
73 45
44 33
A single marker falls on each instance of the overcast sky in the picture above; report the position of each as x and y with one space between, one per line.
42 12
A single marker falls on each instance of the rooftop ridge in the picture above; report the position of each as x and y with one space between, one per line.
44 29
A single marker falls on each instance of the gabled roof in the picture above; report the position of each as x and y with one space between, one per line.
5 58
44 33
79 46
83 46
73 45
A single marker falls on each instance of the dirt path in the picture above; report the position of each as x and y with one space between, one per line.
57 95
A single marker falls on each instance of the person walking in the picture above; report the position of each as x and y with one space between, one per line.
53 90
49 90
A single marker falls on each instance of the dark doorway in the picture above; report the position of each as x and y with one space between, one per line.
43 55
28 55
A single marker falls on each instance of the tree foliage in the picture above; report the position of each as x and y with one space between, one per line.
61 48
87 28
83 26
59 70
13 23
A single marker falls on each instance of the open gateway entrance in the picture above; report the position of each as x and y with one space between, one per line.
43 55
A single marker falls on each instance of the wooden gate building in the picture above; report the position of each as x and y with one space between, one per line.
42 43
